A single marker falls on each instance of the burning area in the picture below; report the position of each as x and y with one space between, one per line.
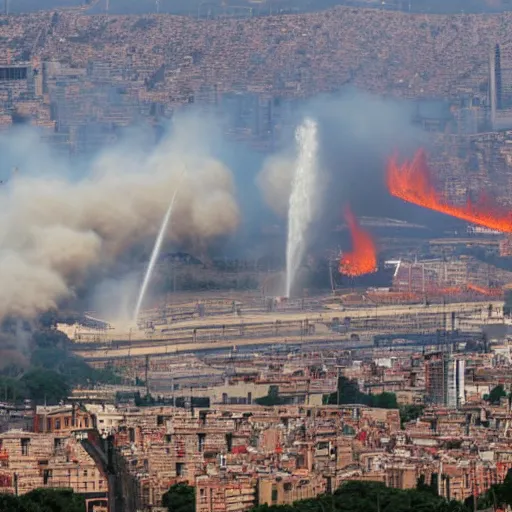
412 182
363 257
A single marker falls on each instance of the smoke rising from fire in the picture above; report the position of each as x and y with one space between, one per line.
412 182
356 134
275 182
362 259
55 230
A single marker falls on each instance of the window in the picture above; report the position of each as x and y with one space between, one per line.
25 443
131 433
86 422
57 424
66 422
85 472
180 468
167 438
160 420
229 442
47 474
49 424
57 443
200 442
274 494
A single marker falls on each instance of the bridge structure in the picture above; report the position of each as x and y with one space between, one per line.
122 488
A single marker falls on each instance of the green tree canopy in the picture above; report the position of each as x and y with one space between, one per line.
272 397
371 497
45 386
349 393
75 370
43 500
410 413
496 394
180 498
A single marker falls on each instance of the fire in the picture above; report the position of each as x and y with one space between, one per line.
363 257
483 290
412 182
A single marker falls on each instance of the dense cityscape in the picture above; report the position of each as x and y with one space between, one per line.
256 257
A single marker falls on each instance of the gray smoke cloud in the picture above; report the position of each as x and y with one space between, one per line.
56 228
357 133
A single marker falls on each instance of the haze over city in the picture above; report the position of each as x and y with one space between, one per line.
255 255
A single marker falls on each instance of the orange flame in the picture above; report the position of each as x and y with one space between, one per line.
412 182
483 290
363 257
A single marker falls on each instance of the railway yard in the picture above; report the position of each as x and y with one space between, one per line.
249 322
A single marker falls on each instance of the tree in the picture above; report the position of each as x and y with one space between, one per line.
43 500
12 390
410 413
499 495
180 498
75 370
272 397
10 503
423 487
349 393
54 500
50 338
384 400
45 386
357 496
496 394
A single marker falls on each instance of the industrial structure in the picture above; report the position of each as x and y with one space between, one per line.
448 276
499 90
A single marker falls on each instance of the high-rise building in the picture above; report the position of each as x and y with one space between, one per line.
444 379
500 83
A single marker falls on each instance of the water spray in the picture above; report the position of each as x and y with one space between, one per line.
156 251
300 209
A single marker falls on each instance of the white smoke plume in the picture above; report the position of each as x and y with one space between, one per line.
275 181
54 230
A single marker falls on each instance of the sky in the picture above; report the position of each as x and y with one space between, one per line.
190 6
